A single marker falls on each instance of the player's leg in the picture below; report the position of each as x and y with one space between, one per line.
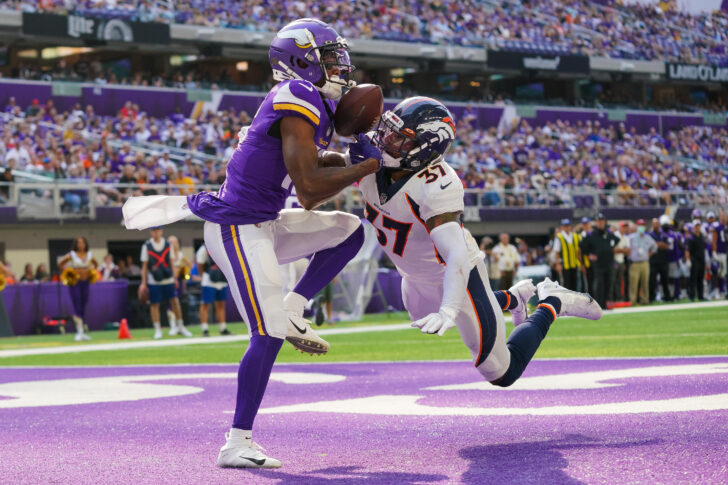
644 282
635 270
332 239
79 297
482 327
245 256
155 298
207 297
177 310
515 299
674 273
722 273
220 298
554 300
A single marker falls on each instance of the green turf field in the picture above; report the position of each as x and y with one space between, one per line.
694 331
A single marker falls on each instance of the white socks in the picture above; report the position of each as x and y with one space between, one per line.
222 326
203 326
172 319
157 326
240 434
294 303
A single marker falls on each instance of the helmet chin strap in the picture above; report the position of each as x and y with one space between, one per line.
334 87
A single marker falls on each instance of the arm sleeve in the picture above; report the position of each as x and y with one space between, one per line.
298 99
144 256
443 194
449 240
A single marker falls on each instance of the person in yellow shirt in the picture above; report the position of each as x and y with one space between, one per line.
182 181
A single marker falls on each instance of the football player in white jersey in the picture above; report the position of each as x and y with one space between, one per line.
415 205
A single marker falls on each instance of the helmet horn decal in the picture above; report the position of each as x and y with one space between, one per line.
302 37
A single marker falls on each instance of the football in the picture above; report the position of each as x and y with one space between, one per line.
358 110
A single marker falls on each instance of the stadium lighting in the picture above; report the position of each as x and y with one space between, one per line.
242 66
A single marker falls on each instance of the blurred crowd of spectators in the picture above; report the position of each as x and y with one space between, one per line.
578 26
528 164
95 72
524 165
620 262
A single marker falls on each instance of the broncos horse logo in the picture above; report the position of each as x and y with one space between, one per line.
444 129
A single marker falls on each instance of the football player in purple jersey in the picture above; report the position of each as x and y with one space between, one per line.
718 248
249 233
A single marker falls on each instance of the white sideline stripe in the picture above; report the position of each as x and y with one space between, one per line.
362 362
331 331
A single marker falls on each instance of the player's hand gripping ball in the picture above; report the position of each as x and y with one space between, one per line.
438 323
363 149
358 111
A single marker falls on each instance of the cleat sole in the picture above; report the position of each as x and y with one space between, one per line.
308 346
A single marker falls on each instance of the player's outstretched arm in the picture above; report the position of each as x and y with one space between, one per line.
449 238
315 184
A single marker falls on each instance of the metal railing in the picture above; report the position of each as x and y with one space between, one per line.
64 199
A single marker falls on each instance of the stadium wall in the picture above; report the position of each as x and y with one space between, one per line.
30 243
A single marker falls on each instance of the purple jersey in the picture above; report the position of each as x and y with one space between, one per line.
257 182
674 252
720 229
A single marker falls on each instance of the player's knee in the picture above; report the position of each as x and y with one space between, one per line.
349 222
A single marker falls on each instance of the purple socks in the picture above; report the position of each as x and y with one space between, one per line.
326 264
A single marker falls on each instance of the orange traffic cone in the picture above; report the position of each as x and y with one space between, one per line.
124 329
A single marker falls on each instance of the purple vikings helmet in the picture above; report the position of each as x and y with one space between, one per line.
696 214
416 133
305 49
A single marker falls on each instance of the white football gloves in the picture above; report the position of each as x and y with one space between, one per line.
438 323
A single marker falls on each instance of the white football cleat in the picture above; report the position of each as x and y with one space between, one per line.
157 333
81 337
173 331
300 334
522 292
244 453
185 332
573 304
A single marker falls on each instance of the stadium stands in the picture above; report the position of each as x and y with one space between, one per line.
551 164
581 27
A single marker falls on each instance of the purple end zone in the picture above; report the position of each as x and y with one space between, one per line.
176 439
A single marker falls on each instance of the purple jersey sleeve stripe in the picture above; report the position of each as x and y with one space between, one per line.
299 109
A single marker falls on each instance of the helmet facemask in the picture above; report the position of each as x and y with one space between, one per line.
395 142
334 55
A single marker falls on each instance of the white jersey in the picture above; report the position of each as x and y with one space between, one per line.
398 212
